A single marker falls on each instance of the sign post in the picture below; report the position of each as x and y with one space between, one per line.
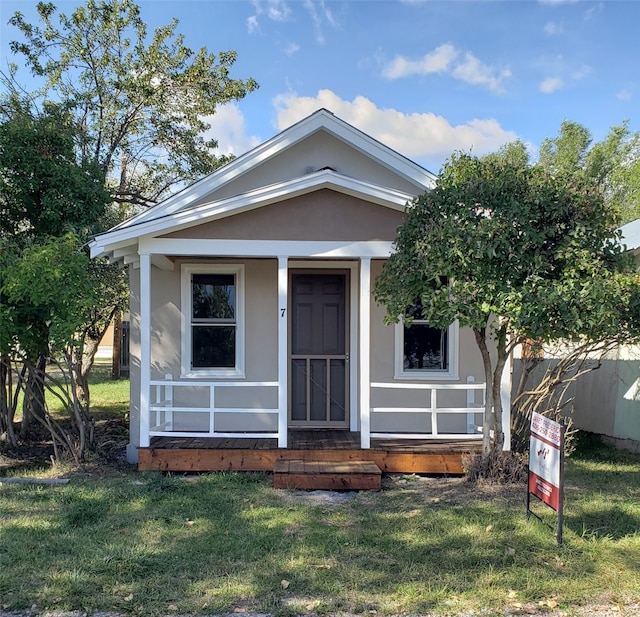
546 467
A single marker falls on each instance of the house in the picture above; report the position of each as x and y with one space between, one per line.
254 335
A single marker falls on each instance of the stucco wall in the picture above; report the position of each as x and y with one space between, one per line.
321 215
316 152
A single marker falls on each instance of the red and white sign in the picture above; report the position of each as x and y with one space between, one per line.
544 460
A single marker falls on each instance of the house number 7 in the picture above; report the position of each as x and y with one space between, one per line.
282 312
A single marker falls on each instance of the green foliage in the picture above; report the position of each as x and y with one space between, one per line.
139 100
514 242
43 190
46 289
526 253
612 164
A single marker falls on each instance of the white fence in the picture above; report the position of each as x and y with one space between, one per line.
472 412
197 413
199 417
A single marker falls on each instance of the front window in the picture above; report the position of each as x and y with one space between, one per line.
212 296
424 348
213 320
424 351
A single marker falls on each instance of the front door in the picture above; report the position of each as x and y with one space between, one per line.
319 359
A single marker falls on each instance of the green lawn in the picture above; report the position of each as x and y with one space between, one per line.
147 543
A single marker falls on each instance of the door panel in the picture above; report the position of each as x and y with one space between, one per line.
318 350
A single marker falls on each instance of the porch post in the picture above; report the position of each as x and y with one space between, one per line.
283 368
145 347
365 368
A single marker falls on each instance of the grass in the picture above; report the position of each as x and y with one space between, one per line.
148 543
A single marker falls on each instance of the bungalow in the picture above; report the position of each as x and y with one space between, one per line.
254 335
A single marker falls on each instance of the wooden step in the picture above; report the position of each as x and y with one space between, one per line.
327 475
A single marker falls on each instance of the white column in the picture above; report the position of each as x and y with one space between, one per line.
283 366
145 347
365 353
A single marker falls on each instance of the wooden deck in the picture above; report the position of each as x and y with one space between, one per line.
390 455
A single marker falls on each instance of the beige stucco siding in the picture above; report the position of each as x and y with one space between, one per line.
323 215
317 152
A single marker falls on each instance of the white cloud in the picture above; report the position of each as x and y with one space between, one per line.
436 61
252 24
444 59
474 72
321 14
228 128
551 85
624 95
274 10
553 28
581 73
425 137
291 49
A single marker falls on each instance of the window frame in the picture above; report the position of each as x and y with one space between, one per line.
187 370
453 347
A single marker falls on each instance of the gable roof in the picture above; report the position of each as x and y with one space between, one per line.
199 202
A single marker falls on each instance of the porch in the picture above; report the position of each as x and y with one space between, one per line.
391 455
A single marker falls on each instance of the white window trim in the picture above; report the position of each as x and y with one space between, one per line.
430 375
185 280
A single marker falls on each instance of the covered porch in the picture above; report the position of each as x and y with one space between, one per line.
391 455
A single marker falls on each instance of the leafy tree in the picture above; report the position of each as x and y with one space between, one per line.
136 105
613 164
46 290
139 102
49 204
525 255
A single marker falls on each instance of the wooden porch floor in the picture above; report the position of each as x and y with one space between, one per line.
218 454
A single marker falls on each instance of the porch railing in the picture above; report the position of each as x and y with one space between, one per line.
430 409
165 415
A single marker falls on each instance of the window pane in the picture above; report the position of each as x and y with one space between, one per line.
214 346
214 296
425 348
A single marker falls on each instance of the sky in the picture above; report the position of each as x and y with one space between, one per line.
425 77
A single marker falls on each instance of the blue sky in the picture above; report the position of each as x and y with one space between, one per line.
425 77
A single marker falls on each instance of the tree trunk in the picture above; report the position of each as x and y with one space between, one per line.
481 340
33 408
7 405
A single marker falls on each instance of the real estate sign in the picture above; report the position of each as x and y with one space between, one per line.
545 454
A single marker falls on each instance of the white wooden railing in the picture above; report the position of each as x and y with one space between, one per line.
163 412
431 409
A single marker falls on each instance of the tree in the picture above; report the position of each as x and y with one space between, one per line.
613 164
49 204
139 103
46 290
513 252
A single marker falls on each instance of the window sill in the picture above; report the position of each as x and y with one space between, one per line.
426 376
213 374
